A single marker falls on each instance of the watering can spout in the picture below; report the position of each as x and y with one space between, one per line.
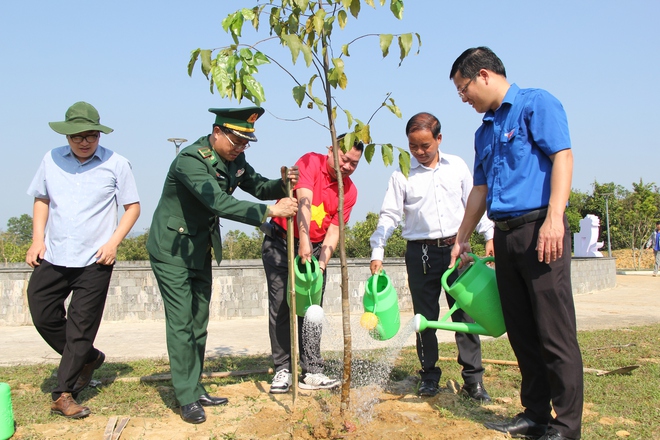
421 324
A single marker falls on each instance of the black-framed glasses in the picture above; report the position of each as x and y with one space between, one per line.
461 93
90 138
237 147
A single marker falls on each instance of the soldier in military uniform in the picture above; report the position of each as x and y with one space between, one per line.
197 192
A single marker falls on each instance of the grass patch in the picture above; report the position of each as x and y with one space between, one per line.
612 403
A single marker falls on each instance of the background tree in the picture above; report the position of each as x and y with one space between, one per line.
237 245
640 212
306 28
133 248
20 228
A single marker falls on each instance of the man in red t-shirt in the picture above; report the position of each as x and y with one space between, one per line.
316 230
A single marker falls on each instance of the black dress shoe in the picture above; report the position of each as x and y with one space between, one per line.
193 413
476 391
519 427
207 400
553 434
428 388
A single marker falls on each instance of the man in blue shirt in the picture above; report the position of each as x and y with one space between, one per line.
654 242
522 177
77 190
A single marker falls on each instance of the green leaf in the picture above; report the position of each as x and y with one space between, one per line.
419 42
299 95
343 18
302 4
336 76
319 18
404 161
344 50
369 151
237 26
349 118
309 84
320 104
396 6
370 3
238 90
355 8
206 62
255 88
405 43
307 54
193 59
294 45
386 151
394 108
226 23
385 42
347 141
259 58
247 14
346 3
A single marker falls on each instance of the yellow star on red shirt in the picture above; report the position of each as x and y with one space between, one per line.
318 214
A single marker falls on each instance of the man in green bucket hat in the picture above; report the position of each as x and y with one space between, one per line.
77 191
197 193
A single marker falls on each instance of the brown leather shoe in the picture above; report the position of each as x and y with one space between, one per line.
67 406
85 376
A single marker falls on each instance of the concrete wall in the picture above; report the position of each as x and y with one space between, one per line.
239 288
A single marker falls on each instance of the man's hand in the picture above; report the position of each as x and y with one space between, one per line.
287 207
35 254
290 173
550 245
305 251
460 250
106 254
376 266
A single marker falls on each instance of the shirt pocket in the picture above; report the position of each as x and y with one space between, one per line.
180 226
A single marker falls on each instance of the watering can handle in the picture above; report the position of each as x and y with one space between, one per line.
374 286
458 260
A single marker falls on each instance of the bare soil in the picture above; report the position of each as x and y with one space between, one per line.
253 413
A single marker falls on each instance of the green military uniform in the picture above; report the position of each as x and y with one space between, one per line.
197 191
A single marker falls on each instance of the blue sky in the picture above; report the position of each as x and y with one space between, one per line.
129 59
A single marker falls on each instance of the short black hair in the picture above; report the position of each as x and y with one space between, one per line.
470 62
423 121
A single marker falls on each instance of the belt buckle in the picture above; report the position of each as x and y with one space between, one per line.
503 226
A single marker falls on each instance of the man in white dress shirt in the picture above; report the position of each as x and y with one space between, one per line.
431 203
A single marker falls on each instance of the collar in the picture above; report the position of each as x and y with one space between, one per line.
508 100
99 154
414 163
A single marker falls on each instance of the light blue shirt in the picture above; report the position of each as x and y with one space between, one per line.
513 148
83 202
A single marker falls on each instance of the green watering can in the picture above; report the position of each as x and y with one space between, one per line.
308 284
475 292
381 307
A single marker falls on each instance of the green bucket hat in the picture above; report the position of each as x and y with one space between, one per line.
80 117
239 120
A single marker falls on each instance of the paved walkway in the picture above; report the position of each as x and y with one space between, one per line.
634 301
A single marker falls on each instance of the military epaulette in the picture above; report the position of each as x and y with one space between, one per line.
205 152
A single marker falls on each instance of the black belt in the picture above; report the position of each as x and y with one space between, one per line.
512 223
439 242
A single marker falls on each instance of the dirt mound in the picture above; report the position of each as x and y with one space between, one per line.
253 413
626 260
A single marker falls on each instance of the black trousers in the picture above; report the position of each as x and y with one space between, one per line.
539 313
274 257
69 332
425 289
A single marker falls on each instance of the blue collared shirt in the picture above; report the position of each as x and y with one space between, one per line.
512 149
83 202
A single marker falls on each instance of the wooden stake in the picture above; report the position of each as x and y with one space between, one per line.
293 318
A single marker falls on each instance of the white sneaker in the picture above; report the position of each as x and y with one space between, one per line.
317 381
281 382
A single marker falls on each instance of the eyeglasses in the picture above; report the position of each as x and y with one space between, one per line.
90 138
237 147
461 93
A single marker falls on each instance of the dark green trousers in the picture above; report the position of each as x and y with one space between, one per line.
186 296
